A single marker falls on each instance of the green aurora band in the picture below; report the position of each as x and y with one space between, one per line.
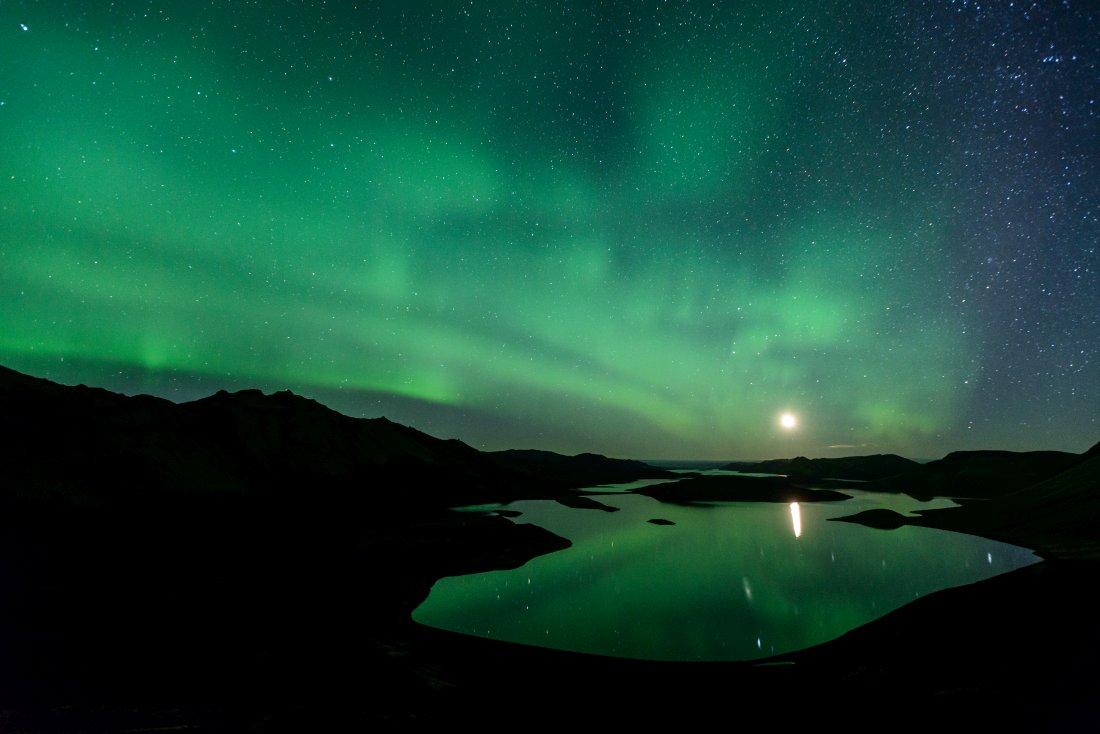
621 230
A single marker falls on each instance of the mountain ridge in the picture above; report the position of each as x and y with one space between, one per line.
84 445
190 566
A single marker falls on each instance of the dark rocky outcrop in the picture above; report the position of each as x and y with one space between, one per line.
878 518
584 502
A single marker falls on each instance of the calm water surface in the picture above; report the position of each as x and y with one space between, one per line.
730 581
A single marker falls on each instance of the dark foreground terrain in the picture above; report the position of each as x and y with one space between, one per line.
248 563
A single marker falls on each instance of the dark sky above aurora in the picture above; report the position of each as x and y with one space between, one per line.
639 228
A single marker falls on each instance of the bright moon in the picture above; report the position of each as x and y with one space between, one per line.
788 421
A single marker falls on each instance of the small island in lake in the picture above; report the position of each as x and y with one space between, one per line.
735 488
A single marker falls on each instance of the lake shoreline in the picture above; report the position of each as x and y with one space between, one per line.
1016 650
727 579
952 658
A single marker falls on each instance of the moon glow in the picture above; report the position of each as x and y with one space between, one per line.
788 421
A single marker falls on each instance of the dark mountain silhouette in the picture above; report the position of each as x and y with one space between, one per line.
978 473
1058 516
1056 513
250 562
82 446
861 468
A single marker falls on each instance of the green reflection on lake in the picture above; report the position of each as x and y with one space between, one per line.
726 582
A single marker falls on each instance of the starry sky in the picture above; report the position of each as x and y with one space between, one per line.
641 228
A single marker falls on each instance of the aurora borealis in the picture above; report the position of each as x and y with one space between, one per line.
644 229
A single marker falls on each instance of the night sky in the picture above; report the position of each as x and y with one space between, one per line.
644 229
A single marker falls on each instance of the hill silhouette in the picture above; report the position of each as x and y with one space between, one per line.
249 562
82 446
1058 515
978 474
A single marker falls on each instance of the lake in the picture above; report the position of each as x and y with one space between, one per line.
726 581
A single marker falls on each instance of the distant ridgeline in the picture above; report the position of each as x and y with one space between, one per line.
964 474
88 447
861 468
1045 500
80 447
